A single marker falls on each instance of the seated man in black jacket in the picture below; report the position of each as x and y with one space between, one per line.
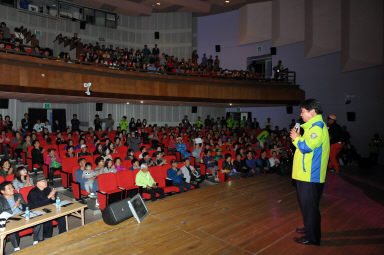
37 154
12 203
42 195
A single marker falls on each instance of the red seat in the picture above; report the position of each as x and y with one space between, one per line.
25 191
66 172
10 178
126 181
108 190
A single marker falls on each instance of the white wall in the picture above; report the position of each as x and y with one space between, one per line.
133 32
155 114
223 29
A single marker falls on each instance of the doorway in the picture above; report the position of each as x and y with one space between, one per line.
60 115
37 114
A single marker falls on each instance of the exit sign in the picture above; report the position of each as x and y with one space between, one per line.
46 106
259 49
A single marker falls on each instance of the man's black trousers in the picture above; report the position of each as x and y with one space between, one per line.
309 194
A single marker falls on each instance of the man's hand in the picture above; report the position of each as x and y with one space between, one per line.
154 185
294 134
52 193
148 187
179 172
17 203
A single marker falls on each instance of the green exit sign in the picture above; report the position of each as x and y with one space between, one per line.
259 49
46 106
238 109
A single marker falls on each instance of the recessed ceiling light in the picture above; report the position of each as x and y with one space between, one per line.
226 1
127 102
158 3
141 102
230 104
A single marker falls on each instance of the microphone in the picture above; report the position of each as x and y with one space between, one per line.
297 126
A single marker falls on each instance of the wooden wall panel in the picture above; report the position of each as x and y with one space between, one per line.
34 75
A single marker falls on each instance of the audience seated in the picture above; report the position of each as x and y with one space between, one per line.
12 203
176 175
42 195
148 185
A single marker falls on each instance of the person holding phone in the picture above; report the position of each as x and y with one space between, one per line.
12 203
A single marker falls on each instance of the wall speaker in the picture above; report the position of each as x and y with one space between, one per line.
99 107
289 109
4 103
157 35
117 212
83 24
273 50
218 48
194 109
351 116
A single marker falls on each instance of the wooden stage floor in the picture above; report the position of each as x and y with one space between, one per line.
252 216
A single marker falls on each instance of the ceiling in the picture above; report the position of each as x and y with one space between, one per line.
147 7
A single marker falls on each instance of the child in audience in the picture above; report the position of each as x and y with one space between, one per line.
88 173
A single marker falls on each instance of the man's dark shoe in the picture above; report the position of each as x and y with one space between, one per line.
300 230
302 240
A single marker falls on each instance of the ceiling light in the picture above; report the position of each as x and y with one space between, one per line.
158 3
226 1
230 104
141 102
127 102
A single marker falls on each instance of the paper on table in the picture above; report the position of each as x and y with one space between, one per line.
5 215
33 214
66 202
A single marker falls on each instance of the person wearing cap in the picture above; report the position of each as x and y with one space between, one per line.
145 181
309 168
83 151
39 196
12 203
182 148
336 135
54 162
176 175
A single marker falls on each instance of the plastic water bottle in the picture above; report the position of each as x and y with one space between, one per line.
27 213
58 202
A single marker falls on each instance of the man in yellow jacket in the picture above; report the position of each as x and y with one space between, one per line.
309 168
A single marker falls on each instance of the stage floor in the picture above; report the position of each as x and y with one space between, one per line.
251 216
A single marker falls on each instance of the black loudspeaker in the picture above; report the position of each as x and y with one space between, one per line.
117 212
218 48
194 109
99 107
351 116
83 24
157 35
289 109
273 50
4 103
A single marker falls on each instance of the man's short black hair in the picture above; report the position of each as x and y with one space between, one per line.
312 104
4 184
80 159
145 154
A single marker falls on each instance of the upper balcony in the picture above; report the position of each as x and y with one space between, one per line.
22 75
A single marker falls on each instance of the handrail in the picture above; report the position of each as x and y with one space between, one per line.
290 78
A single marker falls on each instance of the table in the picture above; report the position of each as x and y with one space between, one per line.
75 209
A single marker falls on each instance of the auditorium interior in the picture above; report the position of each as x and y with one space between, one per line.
200 99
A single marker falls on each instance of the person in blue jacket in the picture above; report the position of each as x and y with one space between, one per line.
263 162
177 177
182 148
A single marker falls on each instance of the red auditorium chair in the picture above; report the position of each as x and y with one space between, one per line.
29 163
126 182
2 179
10 178
108 190
66 173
